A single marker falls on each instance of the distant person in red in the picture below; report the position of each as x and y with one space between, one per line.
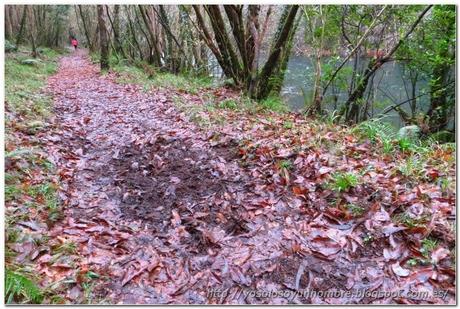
74 43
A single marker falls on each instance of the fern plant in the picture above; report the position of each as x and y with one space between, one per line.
344 181
19 288
375 130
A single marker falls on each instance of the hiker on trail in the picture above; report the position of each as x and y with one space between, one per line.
74 43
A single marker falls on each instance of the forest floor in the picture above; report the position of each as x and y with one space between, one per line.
167 200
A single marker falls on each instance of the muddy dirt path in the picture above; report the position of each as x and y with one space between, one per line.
162 213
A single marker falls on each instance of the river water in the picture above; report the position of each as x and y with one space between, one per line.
389 87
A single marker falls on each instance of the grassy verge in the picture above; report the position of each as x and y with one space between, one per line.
31 201
204 101
149 77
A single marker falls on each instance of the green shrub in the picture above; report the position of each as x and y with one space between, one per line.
443 137
406 144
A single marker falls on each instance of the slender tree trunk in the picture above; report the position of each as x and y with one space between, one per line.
133 33
147 21
31 28
351 108
438 111
315 107
229 55
22 26
253 46
240 63
206 36
103 38
8 23
115 24
85 27
413 102
355 49
116 30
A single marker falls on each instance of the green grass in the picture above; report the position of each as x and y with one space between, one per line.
288 124
275 104
405 219
23 83
228 104
285 164
375 130
412 166
66 248
355 210
406 144
149 77
428 245
412 262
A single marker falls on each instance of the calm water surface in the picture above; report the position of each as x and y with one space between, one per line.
388 87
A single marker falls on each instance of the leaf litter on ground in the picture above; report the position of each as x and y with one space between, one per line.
162 208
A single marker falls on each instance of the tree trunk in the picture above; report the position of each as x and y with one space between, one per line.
156 56
438 111
85 27
229 56
241 63
8 23
103 38
253 46
31 26
278 57
22 26
115 23
206 36
133 33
